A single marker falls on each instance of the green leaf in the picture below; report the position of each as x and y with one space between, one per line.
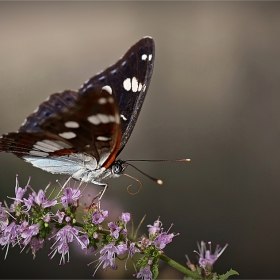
228 274
155 271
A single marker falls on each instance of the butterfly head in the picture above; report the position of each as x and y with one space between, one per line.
118 167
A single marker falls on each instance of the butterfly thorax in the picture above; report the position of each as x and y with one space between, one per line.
89 174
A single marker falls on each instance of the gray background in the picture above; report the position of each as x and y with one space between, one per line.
214 97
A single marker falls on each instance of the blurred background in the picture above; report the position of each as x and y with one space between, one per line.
214 98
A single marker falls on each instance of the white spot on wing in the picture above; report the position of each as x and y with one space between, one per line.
139 87
103 118
94 120
144 57
24 122
38 153
40 148
45 147
134 84
86 81
53 145
123 117
108 88
127 84
144 87
71 124
67 135
102 100
150 57
58 144
89 86
103 138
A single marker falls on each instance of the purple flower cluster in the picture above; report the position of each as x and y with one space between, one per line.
206 258
70 197
63 237
117 243
152 247
28 221
159 237
117 240
98 217
145 273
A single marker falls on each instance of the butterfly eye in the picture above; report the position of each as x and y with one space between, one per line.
117 167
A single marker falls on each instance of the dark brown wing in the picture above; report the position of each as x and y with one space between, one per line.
129 79
91 126
55 103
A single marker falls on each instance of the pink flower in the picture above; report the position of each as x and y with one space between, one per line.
206 259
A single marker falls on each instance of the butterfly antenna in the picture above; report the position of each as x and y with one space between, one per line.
128 187
160 160
158 181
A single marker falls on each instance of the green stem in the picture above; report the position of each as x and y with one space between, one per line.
180 267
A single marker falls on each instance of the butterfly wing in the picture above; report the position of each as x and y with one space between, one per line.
93 124
48 152
128 79
54 104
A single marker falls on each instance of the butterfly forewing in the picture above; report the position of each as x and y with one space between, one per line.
129 79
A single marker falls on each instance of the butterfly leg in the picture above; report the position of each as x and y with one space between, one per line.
101 193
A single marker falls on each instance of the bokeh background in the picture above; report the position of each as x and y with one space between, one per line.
214 98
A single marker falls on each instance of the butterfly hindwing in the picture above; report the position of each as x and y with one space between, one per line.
55 103
37 144
92 126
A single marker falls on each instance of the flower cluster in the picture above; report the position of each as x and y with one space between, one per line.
152 247
29 221
206 259
117 242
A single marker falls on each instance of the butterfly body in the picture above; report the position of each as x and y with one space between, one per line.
80 133
81 167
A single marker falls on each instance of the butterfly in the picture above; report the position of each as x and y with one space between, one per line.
81 133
